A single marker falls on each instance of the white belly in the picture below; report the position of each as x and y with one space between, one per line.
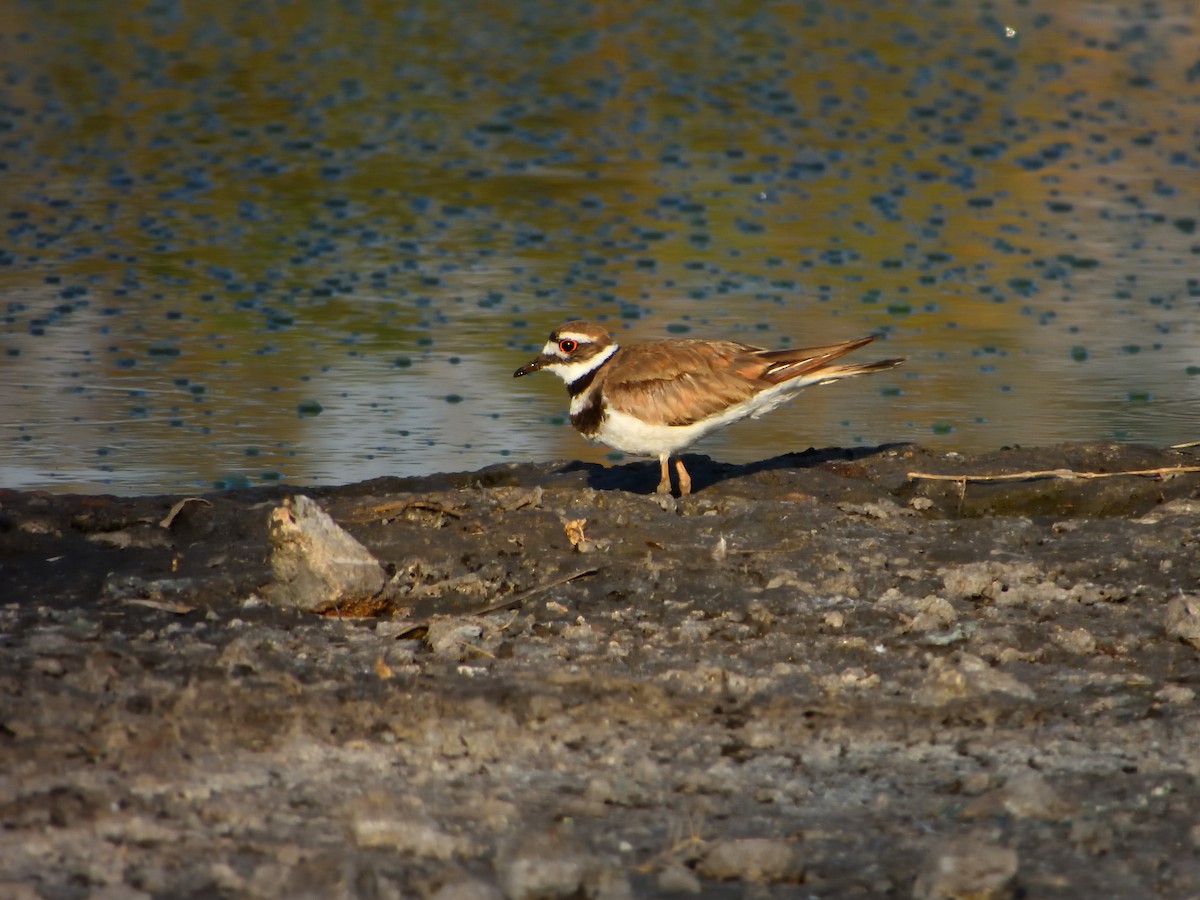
631 435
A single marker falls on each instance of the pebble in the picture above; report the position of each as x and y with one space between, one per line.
968 676
678 879
1183 619
967 869
1175 693
1025 795
1074 640
753 859
380 823
49 666
453 638
543 865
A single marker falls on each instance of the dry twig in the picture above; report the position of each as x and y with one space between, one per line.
175 510
522 596
1068 474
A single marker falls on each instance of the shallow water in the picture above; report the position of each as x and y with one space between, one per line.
311 242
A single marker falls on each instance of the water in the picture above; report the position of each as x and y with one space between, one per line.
310 243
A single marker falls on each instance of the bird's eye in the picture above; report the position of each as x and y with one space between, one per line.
566 345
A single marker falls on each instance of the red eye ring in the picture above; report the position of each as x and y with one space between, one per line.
566 345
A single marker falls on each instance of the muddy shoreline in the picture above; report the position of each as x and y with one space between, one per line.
817 676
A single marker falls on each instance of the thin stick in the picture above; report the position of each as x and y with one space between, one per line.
526 594
1057 473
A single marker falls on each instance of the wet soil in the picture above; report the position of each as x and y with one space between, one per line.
816 676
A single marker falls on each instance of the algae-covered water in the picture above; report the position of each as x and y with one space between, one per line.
310 242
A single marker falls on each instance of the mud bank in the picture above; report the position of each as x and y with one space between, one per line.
817 676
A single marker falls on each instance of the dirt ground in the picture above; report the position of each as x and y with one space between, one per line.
816 676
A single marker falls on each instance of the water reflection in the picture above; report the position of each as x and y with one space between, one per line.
217 217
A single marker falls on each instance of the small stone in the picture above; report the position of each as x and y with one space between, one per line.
876 509
753 859
1025 795
600 789
543 866
968 676
931 614
858 677
379 823
993 580
678 879
1175 693
969 581
49 666
453 638
1074 640
535 877
1183 619
607 883
967 869
975 784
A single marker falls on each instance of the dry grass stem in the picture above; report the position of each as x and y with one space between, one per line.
1162 472
178 507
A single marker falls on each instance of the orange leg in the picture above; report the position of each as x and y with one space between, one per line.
664 484
685 480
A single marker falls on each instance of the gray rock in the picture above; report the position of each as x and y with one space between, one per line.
317 565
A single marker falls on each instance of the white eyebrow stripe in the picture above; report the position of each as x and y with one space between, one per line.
576 337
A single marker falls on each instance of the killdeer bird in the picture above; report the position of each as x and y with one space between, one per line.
656 398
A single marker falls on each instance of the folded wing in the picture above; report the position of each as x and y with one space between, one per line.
682 382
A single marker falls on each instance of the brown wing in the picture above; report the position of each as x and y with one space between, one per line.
681 382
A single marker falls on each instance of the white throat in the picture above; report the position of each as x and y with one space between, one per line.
573 371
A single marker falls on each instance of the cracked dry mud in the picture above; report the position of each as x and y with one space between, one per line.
814 677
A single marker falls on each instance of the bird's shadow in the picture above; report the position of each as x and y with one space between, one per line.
641 477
